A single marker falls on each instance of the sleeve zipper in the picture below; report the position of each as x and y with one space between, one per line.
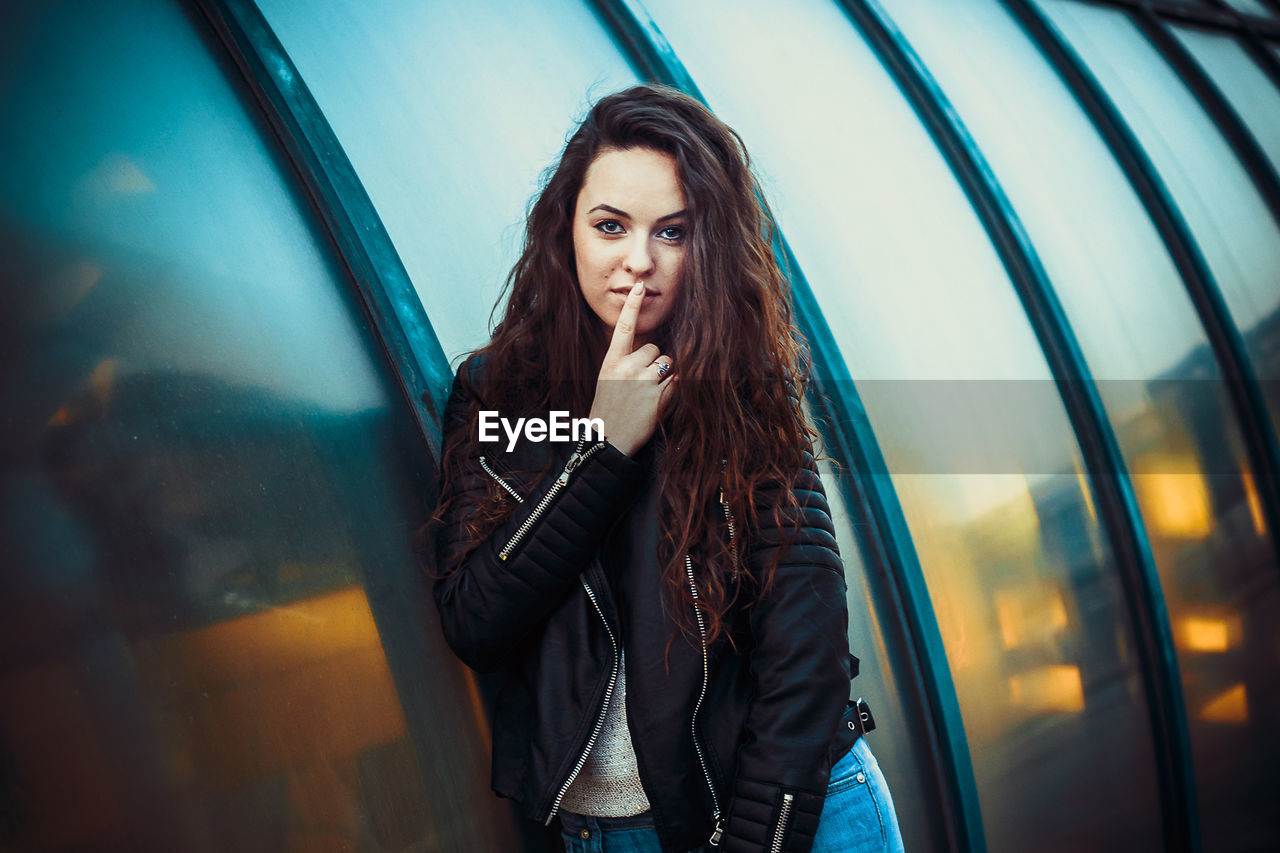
783 815
575 460
501 482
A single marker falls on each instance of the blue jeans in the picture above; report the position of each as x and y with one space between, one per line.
858 813
857 817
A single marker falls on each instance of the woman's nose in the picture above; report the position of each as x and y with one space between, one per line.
639 259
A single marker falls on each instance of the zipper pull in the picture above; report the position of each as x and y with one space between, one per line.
715 836
575 459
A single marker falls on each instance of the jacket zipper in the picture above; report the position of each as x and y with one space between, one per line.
693 724
572 465
733 533
604 708
782 823
501 482
575 459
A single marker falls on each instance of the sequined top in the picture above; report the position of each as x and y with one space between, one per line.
609 783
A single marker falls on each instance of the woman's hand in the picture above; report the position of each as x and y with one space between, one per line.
631 391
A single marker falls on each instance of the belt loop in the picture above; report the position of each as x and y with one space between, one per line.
866 722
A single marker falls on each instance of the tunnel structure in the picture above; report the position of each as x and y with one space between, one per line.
1034 246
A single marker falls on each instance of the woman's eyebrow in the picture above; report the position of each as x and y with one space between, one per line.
625 215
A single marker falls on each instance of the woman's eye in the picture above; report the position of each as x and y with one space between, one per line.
673 233
609 226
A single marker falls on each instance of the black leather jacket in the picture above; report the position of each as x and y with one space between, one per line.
735 745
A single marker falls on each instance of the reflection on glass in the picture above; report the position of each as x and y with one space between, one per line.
878 638
980 450
449 111
1195 490
201 461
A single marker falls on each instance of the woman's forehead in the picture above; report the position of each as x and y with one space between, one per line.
639 177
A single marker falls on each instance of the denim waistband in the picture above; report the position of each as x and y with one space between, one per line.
573 820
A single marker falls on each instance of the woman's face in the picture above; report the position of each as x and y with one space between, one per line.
629 224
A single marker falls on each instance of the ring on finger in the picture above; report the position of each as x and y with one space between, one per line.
663 368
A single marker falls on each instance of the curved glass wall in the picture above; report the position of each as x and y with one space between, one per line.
1232 225
1021 581
449 113
1216 559
207 482
213 636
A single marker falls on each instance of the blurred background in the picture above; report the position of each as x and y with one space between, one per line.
1035 246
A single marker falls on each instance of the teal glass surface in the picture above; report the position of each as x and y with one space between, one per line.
208 484
1245 86
1197 493
978 445
449 112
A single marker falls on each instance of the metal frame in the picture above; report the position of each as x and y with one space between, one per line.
387 295
1224 116
1252 31
1109 480
1222 17
1269 5
869 493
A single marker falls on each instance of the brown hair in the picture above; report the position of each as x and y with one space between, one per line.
734 419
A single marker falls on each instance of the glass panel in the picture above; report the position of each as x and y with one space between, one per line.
1246 86
1239 238
1216 559
201 461
449 112
979 447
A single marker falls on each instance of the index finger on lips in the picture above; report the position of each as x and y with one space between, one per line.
624 331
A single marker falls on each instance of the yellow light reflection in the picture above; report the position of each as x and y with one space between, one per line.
1030 613
1003 496
1085 491
1009 615
277 691
1057 612
1255 505
1175 504
1229 706
1048 689
1204 634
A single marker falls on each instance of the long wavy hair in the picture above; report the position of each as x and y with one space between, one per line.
734 421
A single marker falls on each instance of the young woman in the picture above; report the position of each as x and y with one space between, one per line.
666 603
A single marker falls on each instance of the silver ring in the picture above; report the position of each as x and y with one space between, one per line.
663 369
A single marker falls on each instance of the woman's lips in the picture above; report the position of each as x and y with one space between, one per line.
625 291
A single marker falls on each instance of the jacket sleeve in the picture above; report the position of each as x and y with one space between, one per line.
488 604
801 663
